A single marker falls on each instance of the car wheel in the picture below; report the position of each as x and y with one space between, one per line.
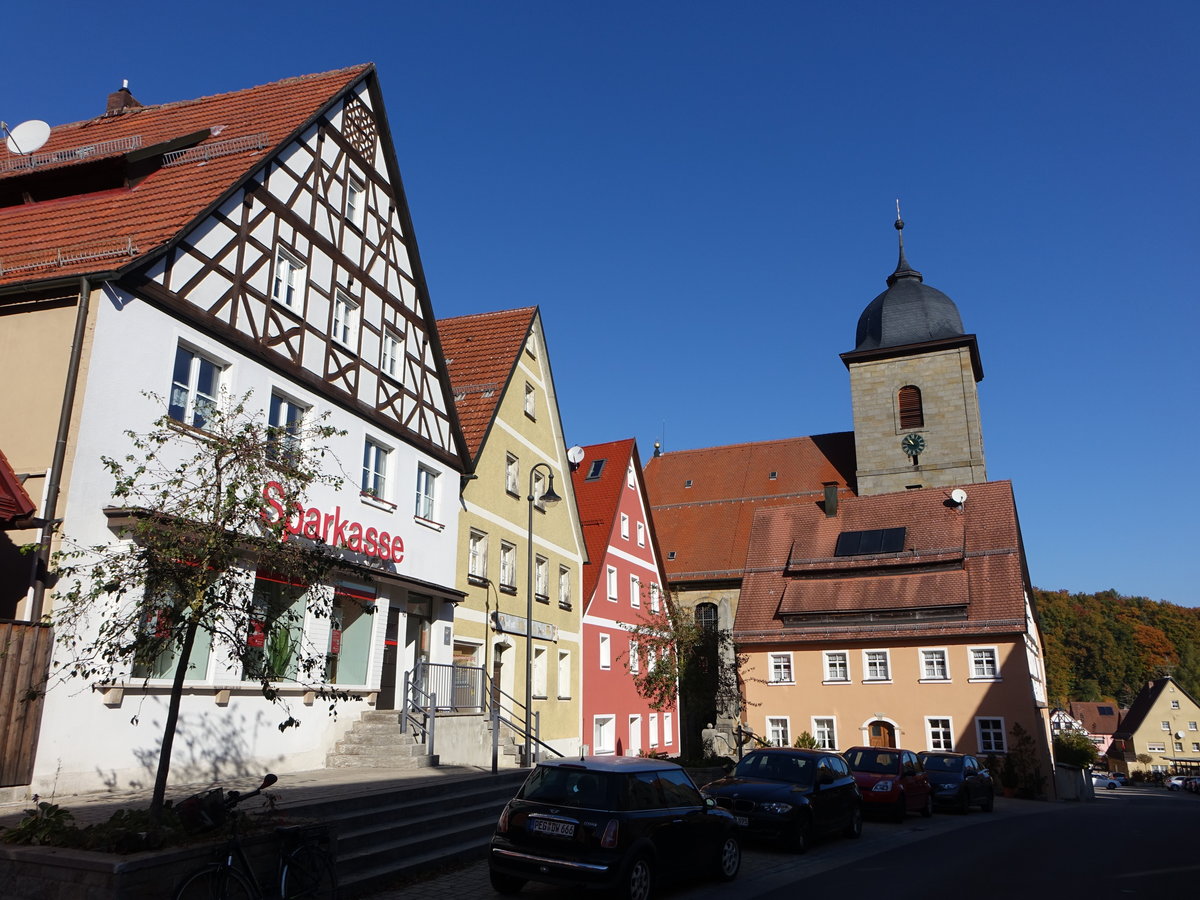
729 859
900 809
506 884
854 829
989 802
927 809
802 834
1112 786
639 880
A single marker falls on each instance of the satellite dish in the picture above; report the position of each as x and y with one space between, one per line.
27 137
1179 735
575 455
959 496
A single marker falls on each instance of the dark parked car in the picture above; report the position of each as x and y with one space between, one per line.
891 780
959 781
791 795
610 822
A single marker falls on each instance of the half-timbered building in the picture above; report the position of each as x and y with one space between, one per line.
251 243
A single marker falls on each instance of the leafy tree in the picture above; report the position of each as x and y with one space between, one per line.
806 742
194 526
1075 749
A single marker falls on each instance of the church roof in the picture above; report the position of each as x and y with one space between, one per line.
704 501
481 354
104 193
951 570
908 312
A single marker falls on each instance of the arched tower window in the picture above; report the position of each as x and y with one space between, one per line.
912 415
706 616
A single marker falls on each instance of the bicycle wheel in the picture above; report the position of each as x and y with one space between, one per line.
308 874
216 882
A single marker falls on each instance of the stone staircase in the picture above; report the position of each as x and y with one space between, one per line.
377 740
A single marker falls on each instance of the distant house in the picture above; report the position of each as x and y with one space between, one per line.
622 586
1101 720
1163 723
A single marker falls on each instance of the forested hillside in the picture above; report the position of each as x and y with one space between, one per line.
1101 646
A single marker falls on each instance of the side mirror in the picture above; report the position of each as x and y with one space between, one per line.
826 777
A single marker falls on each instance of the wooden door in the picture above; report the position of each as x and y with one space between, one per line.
882 735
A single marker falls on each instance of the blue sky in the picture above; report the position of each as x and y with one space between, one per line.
700 198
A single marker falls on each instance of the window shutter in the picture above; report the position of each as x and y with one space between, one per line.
911 413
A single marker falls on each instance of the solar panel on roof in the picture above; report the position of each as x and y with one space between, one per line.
870 542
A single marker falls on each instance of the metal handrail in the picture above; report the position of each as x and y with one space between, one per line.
519 724
422 717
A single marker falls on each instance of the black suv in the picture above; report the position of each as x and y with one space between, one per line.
791 795
610 822
958 780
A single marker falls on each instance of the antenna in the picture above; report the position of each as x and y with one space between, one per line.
575 455
26 137
959 496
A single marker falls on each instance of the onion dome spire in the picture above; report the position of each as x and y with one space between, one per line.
903 269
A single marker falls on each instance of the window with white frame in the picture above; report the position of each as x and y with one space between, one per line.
934 666
530 401
668 729
635 736
508 566
605 652
991 735
653 729
781 668
1178 746
1191 726
631 476
1159 747
541 570
345 319
375 469
641 534
624 527
983 662
477 554
612 583
539 488
939 735
539 672
356 196
635 591
284 419
635 659
778 732
837 665
564 587
1166 726
876 665
1196 746
288 281
391 352
603 734
1174 704
564 674
195 382
426 493
654 596
825 733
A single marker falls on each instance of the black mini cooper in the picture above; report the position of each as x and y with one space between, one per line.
610 822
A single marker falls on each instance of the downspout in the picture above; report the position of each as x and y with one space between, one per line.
54 480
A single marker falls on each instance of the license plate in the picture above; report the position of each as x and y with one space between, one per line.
742 820
552 827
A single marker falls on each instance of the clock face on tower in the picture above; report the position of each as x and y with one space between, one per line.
912 444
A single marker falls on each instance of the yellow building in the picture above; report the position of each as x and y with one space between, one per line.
504 392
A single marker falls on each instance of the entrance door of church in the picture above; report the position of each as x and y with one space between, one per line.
882 734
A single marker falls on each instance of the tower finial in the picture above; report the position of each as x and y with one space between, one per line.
903 269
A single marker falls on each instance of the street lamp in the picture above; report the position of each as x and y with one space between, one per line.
549 498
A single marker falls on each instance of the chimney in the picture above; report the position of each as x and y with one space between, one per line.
830 498
121 100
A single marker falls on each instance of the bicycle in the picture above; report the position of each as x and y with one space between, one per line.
306 868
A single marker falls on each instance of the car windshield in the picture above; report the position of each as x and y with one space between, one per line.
570 786
777 767
879 762
943 763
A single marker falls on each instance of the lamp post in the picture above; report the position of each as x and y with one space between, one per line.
549 498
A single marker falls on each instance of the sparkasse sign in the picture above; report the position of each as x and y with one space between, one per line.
329 527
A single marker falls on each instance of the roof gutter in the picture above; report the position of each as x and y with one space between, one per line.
54 480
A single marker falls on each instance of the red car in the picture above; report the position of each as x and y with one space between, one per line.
891 780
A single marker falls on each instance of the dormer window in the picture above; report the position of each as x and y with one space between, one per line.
912 415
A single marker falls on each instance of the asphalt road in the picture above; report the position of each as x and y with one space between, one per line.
1129 843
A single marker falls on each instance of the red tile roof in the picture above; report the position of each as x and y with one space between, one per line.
598 500
796 589
481 354
1089 716
706 522
14 501
107 229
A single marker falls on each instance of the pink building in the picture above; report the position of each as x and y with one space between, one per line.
622 586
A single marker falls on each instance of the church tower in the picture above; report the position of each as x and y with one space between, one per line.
913 377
